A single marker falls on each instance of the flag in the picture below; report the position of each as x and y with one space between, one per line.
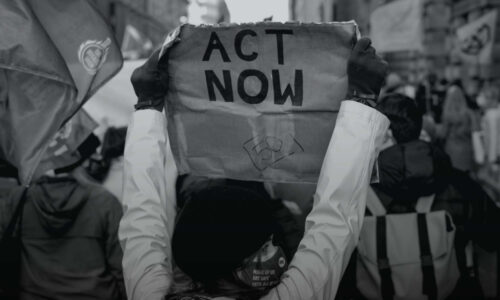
54 55
397 26
476 39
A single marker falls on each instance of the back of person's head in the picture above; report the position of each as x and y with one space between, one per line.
456 106
113 146
405 117
488 97
113 143
84 151
219 226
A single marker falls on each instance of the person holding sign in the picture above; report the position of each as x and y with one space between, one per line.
222 214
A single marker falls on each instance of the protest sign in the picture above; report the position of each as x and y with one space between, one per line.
476 39
256 101
397 26
47 72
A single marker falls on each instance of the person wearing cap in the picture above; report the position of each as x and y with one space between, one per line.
222 234
68 231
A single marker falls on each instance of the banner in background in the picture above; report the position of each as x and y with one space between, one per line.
397 26
477 38
256 101
53 56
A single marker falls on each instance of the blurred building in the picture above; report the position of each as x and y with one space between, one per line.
439 21
435 28
152 18
312 10
436 38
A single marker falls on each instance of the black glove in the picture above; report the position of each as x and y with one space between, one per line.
366 73
150 82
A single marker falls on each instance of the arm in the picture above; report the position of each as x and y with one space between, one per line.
143 232
333 226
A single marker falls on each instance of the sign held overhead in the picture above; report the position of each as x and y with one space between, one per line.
256 101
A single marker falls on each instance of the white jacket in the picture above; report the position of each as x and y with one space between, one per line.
332 227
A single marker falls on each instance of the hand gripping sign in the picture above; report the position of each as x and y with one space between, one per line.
255 101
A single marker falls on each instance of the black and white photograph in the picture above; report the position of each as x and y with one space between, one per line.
249 149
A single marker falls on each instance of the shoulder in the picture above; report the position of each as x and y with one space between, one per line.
99 197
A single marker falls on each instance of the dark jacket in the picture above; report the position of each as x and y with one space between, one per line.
70 242
415 169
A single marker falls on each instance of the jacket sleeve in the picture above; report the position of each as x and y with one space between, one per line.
149 209
114 254
333 226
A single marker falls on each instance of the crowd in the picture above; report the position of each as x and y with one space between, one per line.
438 160
114 225
461 118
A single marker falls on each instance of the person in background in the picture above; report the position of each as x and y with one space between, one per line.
412 168
488 100
69 235
430 96
487 152
472 87
424 94
107 168
395 84
457 126
486 142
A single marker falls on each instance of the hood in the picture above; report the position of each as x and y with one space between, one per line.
412 170
57 201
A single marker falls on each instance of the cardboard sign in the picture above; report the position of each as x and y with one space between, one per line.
256 101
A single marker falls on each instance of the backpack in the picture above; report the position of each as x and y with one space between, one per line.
406 256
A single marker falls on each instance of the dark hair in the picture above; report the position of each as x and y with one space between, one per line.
219 226
113 146
405 117
113 143
86 149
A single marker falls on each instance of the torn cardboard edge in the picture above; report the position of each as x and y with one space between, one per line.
173 36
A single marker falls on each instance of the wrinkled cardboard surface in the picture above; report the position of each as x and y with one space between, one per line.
266 141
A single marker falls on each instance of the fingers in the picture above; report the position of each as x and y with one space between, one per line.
370 50
362 44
